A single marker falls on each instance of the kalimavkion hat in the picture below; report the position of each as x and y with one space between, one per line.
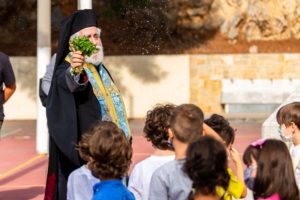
78 20
83 19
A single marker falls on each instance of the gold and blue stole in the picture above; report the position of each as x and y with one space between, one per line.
108 96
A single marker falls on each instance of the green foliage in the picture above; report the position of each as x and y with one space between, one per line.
84 45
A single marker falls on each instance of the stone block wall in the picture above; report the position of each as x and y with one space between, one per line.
207 72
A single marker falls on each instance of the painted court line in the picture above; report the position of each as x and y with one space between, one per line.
22 165
10 133
19 186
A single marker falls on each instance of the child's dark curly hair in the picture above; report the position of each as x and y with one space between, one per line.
111 152
157 124
206 165
219 124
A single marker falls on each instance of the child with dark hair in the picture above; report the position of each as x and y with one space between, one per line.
288 118
222 127
156 131
206 165
111 156
169 181
250 155
249 159
274 178
81 181
237 188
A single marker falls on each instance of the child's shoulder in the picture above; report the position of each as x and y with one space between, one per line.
169 167
79 172
154 160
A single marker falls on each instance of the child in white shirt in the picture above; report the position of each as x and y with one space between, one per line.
156 131
288 118
81 181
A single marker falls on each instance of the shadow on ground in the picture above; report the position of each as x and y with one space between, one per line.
22 194
22 172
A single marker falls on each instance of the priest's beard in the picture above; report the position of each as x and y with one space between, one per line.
97 57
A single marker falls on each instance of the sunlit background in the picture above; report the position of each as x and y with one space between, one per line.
238 58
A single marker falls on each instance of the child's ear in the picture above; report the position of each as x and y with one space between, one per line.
90 159
294 127
170 133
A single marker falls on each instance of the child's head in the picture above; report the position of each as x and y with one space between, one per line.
288 117
157 124
279 115
289 113
219 124
275 172
187 123
249 158
250 155
206 165
111 152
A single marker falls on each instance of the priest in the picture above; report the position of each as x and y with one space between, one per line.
82 92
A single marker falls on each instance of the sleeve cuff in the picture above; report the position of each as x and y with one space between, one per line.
79 78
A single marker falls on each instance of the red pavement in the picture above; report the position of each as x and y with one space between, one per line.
23 172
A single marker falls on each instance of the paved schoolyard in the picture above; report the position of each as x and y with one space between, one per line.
23 172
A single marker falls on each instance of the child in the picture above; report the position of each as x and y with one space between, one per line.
288 118
111 156
206 165
81 181
237 188
169 181
249 159
274 178
222 127
156 131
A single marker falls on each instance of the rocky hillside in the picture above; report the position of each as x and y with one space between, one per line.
261 19
165 27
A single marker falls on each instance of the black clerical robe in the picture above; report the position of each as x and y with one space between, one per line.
71 110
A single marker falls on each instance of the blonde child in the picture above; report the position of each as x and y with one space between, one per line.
169 182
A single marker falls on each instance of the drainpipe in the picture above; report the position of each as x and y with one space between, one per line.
43 58
84 4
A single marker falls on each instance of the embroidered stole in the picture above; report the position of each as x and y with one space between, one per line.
108 96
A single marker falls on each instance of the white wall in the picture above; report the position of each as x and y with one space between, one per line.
270 126
22 105
143 80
